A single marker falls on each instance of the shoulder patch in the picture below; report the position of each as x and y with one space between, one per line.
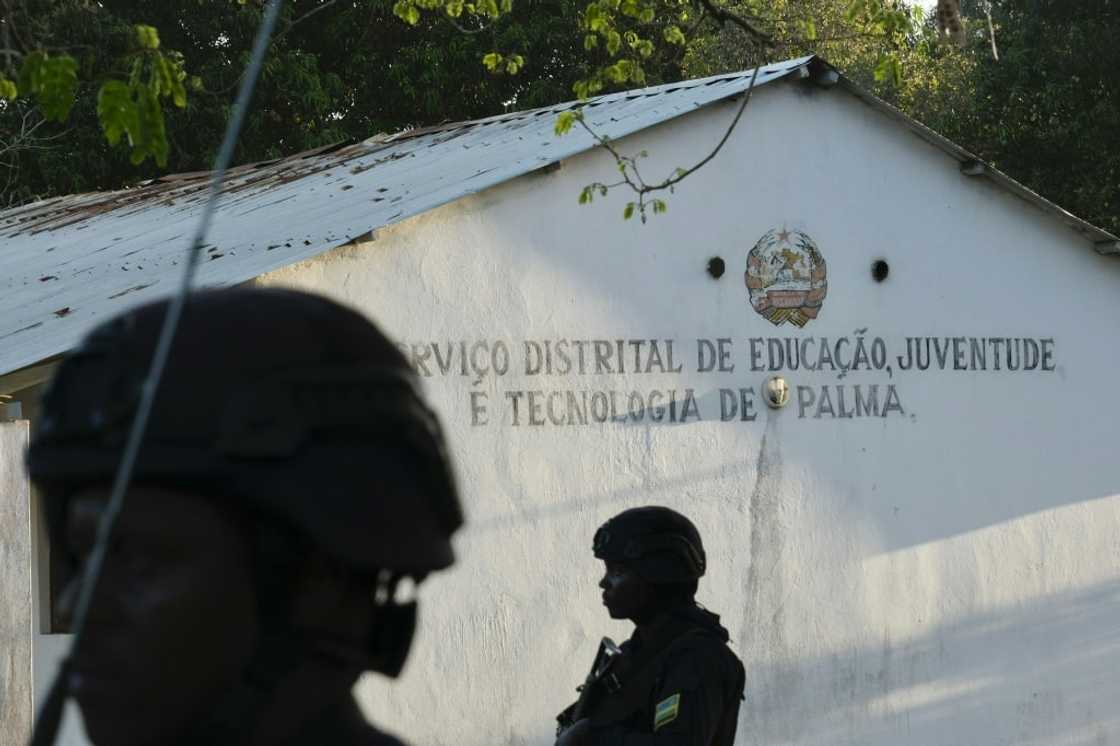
666 711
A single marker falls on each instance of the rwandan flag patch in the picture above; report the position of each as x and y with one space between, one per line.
666 711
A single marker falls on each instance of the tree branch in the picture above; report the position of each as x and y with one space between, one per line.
464 30
628 165
304 17
317 9
991 30
723 15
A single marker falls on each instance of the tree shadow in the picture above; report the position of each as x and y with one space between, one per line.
1039 672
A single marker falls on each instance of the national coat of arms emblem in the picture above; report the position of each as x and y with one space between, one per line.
786 277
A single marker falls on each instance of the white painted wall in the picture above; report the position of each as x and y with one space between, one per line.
950 576
15 588
45 650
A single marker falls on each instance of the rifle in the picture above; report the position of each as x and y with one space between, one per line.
600 673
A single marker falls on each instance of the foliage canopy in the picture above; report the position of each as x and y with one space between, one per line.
94 95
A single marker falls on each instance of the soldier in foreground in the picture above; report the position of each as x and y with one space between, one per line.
292 481
675 681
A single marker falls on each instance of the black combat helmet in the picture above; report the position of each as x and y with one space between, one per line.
273 400
660 544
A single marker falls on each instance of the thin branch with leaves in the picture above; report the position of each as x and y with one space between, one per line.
601 23
632 177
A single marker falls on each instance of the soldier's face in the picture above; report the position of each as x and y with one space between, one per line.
625 594
173 620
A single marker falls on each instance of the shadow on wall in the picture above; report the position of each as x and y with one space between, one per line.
1040 673
651 493
1037 673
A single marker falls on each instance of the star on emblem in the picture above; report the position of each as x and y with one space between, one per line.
783 235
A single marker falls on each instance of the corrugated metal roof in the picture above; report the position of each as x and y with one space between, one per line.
71 261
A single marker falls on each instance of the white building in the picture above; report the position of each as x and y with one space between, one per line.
919 548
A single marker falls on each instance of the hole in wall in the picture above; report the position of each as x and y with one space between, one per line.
879 270
716 267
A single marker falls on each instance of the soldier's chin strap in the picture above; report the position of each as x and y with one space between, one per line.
283 650
50 715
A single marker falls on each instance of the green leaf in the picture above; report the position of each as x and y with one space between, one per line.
407 11
659 206
135 112
593 18
674 35
153 134
135 71
565 121
161 76
614 42
117 112
855 9
896 72
176 76
619 72
629 211
590 41
882 69
492 61
53 81
29 73
889 68
586 195
146 36
8 89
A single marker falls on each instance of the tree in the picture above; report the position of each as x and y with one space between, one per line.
632 32
138 88
1041 104
336 71
1048 111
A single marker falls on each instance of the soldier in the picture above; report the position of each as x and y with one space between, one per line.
675 681
291 484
